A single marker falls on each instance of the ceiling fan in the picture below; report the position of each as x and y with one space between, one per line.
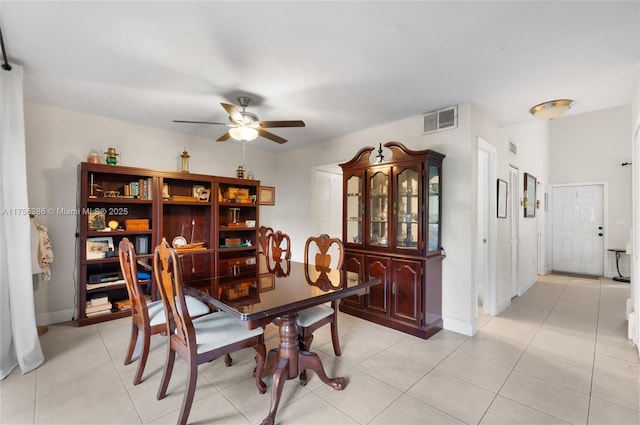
245 125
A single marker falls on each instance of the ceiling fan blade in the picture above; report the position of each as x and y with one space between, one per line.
233 112
271 136
200 122
272 124
224 137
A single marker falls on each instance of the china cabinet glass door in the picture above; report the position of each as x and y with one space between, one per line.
379 209
354 209
408 209
433 236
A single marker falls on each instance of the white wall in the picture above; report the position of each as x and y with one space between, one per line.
57 140
589 148
458 184
532 141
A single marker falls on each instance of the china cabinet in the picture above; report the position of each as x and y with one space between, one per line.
392 230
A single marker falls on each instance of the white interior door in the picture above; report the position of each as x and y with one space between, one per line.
482 275
328 203
513 207
487 231
578 229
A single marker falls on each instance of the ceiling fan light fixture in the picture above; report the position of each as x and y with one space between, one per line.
551 109
244 133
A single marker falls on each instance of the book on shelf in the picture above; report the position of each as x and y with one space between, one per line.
126 304
98 299
98 313
90 309
122 304
91 286
140 189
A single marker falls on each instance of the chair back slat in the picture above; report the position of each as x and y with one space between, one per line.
324 246
128 266
280 246
169 277
264 233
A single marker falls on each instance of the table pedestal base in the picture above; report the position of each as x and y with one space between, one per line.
287 361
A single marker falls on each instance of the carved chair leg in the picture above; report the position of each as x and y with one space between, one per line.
142 362
334 338
189 392
132 345
228 360
261 354
304 343
166 373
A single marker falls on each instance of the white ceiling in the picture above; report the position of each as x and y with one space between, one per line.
339 66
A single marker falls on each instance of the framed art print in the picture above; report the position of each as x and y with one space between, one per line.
98 247
266 195
529 201
502 198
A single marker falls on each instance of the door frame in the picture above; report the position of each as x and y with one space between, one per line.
514 224
489 298
605 219
633 316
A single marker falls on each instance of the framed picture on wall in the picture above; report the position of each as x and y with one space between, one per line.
529 200
502 198
266 195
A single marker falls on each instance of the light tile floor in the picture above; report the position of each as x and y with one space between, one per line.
558 355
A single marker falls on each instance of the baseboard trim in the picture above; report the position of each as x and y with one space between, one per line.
578 275
502 305
460 326
526 287
55 317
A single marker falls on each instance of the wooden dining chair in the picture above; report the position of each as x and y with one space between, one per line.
147 318
264 233
199 340
313 318
280 245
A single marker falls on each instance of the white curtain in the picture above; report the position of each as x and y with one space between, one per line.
19 343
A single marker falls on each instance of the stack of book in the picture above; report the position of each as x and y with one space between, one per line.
98 305
140 189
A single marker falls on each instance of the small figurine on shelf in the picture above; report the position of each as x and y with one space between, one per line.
185 161
111 156
240 172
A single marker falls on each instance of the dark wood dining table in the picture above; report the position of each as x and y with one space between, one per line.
258 295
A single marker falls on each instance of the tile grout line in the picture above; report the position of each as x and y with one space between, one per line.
593 364
520 358
119 375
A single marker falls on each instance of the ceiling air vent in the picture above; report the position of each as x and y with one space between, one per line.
442 119
513 148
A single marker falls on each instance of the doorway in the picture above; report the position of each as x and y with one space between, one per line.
578 232
486 225
327 200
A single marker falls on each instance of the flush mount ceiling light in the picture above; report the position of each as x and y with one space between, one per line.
243 133
551 109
